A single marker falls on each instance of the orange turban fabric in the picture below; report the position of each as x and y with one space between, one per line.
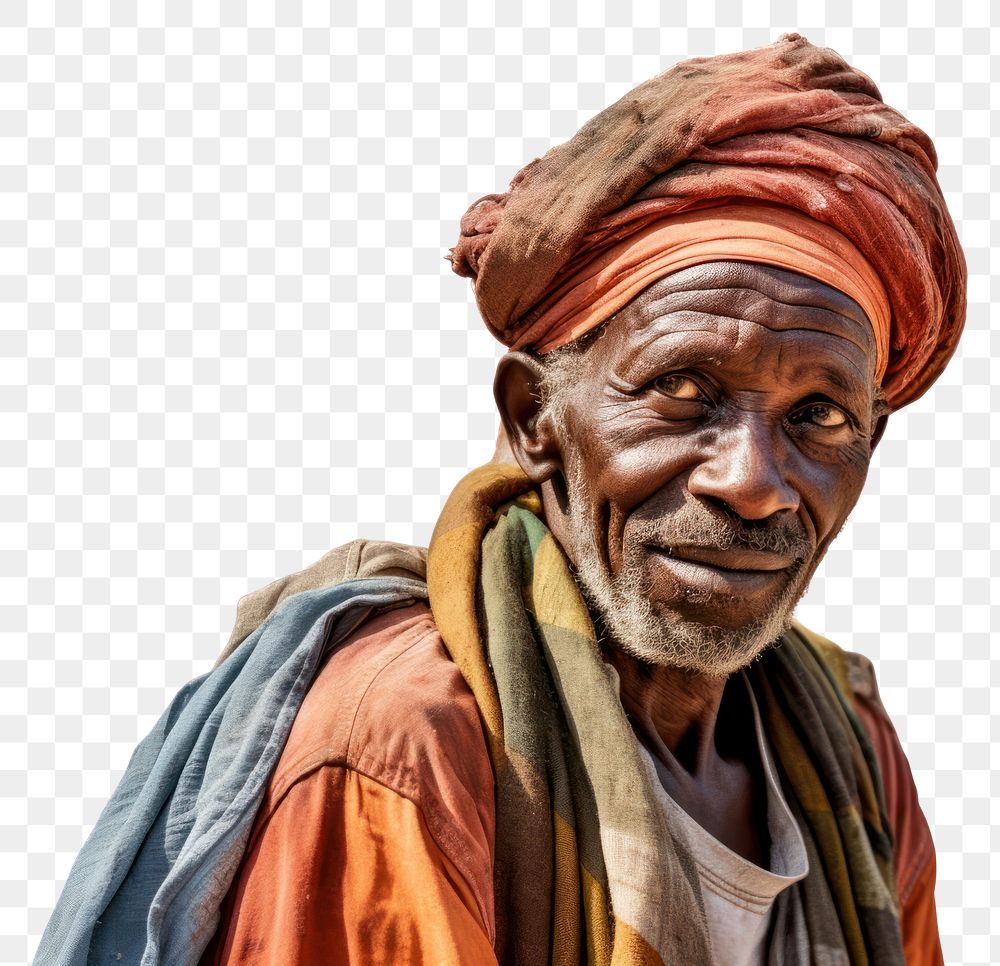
730 158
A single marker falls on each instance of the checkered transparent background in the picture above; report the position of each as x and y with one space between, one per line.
229 342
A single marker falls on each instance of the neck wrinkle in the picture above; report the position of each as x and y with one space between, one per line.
676 711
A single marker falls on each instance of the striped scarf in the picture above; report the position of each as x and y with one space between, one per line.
587 868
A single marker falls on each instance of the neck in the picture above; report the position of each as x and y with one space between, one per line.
679 708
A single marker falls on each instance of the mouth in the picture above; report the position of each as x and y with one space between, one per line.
711 571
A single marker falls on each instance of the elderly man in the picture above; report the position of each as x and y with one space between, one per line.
583 726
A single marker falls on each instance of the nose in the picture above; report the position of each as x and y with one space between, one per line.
745 471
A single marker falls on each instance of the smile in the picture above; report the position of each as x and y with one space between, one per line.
727 572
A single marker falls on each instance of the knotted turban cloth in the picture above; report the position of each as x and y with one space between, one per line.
784 155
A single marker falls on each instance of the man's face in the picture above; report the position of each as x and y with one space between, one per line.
712 448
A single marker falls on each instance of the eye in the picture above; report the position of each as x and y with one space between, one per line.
678 386
821 414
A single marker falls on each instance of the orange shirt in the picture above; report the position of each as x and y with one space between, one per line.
374 842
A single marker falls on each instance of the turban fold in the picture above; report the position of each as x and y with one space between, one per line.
788 126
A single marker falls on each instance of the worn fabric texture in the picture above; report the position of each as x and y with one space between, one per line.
357 560
148 883
789 124
586 867
374 841
766 234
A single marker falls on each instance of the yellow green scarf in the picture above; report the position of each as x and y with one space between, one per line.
587 868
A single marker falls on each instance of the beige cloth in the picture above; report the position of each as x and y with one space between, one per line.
356 560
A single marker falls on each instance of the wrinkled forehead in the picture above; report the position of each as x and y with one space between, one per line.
780 300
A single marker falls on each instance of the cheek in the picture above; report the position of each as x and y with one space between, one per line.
625 479
646 457
830 491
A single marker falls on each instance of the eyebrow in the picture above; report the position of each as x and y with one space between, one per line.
837 378
847 378
684 354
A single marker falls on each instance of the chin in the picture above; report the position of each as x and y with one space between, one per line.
711 634
706 649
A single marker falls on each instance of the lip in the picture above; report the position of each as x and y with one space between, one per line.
734 560
708 570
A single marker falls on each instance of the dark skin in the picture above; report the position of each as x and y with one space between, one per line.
749 391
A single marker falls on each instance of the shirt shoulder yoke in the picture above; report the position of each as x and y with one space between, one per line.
389 702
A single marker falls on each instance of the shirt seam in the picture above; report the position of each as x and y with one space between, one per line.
305 758
364 694
355 759
916 869
747 901
366 764
346 766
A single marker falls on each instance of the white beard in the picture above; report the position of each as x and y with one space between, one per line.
635 625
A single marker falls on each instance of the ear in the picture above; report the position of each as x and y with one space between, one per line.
516 390
879 429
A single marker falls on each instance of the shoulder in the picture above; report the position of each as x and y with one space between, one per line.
913 846
391 705
375 837
854 672
359 558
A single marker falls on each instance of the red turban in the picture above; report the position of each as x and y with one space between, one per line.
788 126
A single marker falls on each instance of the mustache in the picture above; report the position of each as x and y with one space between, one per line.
698 525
